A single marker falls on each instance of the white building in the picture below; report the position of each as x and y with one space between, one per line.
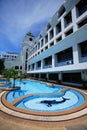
27 46
59 53
9 57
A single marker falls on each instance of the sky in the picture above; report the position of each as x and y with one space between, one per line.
17 17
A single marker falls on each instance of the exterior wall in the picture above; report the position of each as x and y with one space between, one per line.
26 47
71 41
50 48
17 63
9 58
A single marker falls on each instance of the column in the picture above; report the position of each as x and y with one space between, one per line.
74 19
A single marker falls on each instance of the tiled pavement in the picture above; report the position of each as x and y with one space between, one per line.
11 123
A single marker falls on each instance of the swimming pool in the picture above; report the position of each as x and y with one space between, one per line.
44 98
39 101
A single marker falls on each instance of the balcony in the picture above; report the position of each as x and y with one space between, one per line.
64 57
82 23
42 43
32 67
46 39
81 7
68 32
65 62
47 62
59 39
61 11
38 65
51 34
68 19
58 28
83 51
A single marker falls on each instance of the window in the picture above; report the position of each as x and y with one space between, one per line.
59 39
82 23
61 11
48 61
38 64
20 67
40 36
26 54
42 43
46 47
46 38
41 50
72 77
30 39
51 44
67 19
43 76
33 66
51 34
83 48
58 28
38 53
16 67
64 55
69 32
48 26
53 76
81 7
38 45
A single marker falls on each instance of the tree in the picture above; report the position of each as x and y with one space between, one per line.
14 75
7 74
11 73
2 67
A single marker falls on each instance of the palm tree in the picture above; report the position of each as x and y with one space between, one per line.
11 73
7 74
14 75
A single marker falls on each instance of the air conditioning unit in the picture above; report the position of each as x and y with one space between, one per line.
69 62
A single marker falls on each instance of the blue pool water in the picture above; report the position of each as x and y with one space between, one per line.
2 80
45 98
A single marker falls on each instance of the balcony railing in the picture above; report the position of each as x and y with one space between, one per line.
83 58
47 66
38 68
66 62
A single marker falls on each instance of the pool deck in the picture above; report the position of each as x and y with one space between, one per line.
9 122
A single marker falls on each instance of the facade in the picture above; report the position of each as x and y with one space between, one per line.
17 63
59 53
27 46
9 57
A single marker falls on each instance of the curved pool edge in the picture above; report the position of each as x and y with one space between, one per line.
40 116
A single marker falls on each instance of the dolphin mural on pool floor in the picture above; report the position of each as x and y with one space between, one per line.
51 102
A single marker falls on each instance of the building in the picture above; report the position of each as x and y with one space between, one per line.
27 45
59 53
9 57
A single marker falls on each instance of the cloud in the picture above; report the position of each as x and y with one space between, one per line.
19 16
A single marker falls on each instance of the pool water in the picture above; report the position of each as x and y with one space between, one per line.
45 98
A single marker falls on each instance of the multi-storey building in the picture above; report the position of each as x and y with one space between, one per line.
9 57
27 46
59 53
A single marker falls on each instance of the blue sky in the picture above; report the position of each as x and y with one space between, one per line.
20 16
